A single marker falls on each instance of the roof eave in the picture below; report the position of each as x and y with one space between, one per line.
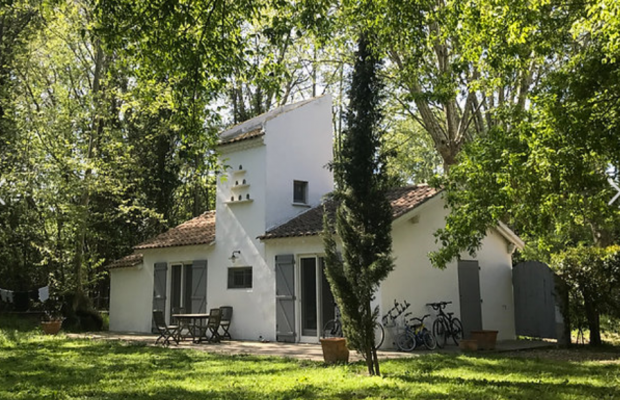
174 245
421 205
509 234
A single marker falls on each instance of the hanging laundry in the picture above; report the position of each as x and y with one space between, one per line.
44 293
4 295
9 296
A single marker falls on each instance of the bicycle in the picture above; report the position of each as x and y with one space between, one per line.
333 328
389 319
445 325
415 334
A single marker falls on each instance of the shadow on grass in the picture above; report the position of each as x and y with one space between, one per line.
62 368
500 376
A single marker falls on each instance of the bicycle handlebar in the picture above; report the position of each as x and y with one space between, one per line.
438 305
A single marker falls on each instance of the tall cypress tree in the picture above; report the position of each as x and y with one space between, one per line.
363 215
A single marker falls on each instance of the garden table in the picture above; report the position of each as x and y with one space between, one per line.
193 323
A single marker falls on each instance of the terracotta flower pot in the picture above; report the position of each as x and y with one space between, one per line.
335 350
468 345
51 327
486 339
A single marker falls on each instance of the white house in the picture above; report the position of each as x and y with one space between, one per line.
260 250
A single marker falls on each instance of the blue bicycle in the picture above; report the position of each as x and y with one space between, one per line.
416 333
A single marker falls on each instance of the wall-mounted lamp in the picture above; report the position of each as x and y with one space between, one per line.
235 255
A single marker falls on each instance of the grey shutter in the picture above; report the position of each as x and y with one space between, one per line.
199 287
159 288
187 290
285 298
469 293
175 289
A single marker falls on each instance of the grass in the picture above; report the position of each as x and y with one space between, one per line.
33 366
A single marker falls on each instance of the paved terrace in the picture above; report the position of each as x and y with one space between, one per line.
301 351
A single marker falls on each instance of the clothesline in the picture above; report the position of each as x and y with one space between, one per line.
12 296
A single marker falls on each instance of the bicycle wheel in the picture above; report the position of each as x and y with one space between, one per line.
457 331
332 329
379 335
439 331
405 341
429 340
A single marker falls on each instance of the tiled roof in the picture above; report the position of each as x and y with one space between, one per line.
241 137
128 261
310 223
200 230
254 127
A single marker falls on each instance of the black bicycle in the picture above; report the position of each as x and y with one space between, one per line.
333 328
446 326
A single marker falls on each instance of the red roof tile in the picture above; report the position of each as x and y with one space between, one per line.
310 223
200 230
128 261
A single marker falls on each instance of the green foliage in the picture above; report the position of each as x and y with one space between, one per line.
412 157
547 175
363 216
593 277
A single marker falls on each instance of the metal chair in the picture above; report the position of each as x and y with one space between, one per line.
214 325
166 332
225 321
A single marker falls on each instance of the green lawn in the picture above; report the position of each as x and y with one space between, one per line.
33 366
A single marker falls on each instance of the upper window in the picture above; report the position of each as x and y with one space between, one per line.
240 278
300 192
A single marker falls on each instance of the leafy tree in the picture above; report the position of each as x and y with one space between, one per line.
19 239
412 157
363 216
546 172
593 276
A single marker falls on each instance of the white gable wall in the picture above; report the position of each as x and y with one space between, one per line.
414 278
299 146
496 285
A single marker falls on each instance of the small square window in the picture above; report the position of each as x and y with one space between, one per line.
300 192
240 278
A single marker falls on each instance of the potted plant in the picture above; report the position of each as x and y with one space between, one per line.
51 322
335 350
486 339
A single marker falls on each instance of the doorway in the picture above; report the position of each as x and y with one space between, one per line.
316 301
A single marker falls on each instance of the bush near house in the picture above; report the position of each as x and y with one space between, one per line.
593 278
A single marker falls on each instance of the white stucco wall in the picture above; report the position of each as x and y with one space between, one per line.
131 289
130 311
299 147
496 286
414 279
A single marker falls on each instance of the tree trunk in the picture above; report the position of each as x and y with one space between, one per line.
593 317
93 140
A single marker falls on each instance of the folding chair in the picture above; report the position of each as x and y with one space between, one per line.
225 321
166 332
213 325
